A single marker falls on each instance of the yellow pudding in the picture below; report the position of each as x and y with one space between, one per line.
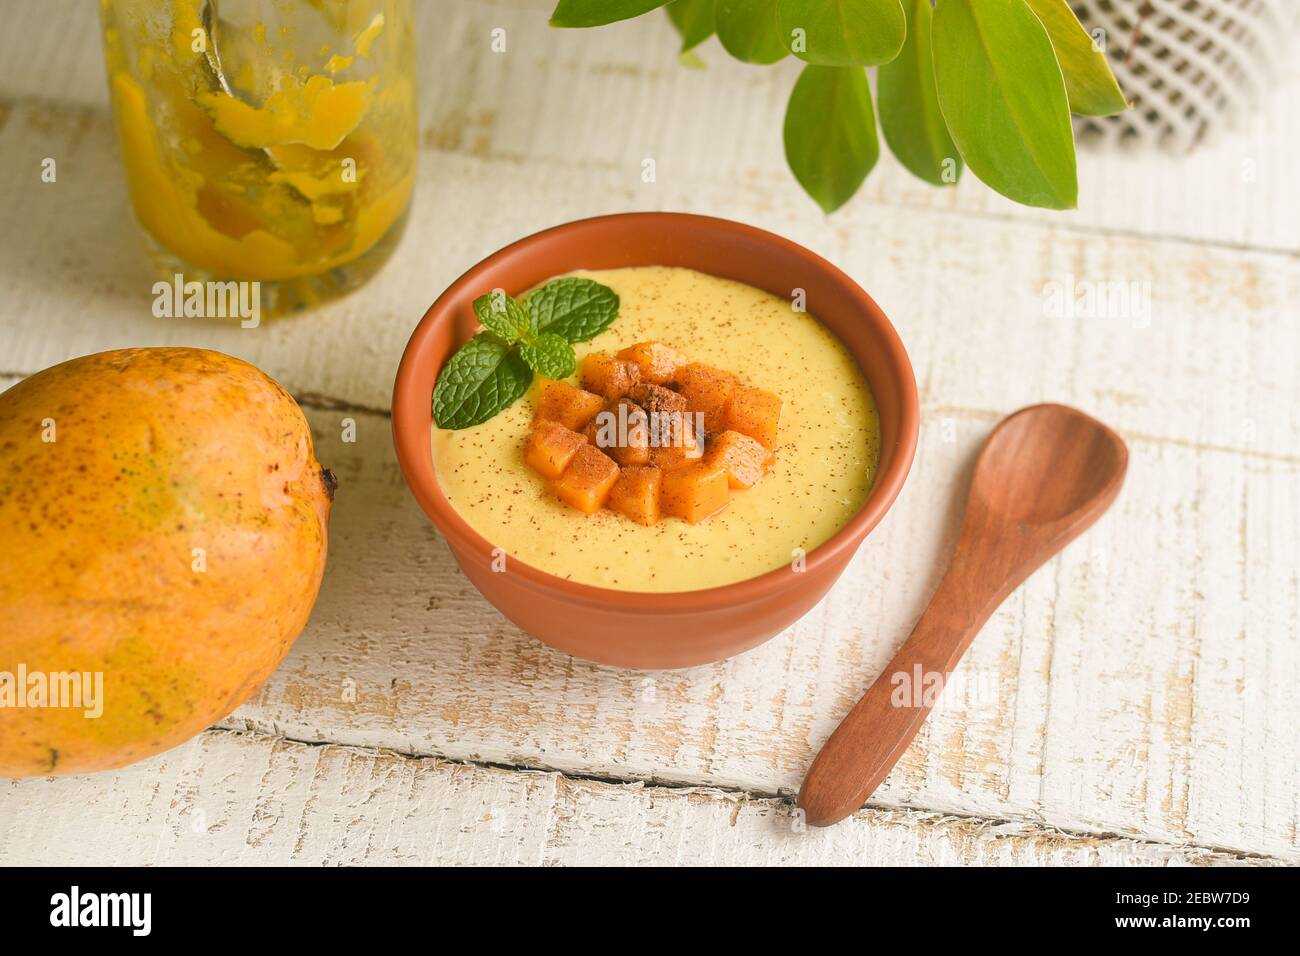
826 451
298 162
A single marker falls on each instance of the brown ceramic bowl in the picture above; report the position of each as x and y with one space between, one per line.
636 629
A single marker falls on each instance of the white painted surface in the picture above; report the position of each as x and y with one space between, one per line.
1143 683
235 799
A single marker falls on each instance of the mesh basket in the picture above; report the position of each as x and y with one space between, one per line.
1189 66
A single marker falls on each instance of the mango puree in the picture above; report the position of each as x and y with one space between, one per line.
282 182
828 447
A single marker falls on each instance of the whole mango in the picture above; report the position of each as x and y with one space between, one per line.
163 526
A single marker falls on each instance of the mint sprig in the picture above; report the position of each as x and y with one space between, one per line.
492 370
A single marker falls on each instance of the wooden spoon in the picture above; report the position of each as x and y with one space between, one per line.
1045 474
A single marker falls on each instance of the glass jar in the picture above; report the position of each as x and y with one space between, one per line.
266 140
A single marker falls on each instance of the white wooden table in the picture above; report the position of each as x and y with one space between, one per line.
1145 709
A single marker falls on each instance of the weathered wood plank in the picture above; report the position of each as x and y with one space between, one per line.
507 135
1205 353
1143 684
608 98
234 799
1122 690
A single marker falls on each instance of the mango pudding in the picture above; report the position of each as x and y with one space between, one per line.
710 434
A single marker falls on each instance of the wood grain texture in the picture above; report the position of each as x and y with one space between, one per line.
1120 691
237 799
983 339
1140 685
511 148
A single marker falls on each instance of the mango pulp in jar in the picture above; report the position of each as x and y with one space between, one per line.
265 139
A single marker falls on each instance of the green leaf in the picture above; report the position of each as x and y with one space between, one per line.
843 32
501 314
550 355
483 377
577 309
1003 99
750 31
693 20
909 106
1092 87
595 13
830 133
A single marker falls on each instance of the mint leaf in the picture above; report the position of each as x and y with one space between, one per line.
576 309
830 133
1003 99
501 314
550 355
843 32
909 106
483 377
693 20
595 13
750 31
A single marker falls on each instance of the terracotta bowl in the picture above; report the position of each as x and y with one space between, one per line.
637 629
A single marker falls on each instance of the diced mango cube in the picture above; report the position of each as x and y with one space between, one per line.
706 389
632 445
636 494
694 492
606 375
744 458
621 431
601 425
676 440
566 404
550 448
631 454
657 398
657 362
587 481
754 412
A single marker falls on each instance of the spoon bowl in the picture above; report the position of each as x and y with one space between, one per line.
1046 462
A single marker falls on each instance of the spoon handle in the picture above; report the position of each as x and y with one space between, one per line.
869 741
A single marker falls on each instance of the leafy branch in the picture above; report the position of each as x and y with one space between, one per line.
984 84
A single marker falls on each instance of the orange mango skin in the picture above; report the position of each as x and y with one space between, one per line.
158 451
